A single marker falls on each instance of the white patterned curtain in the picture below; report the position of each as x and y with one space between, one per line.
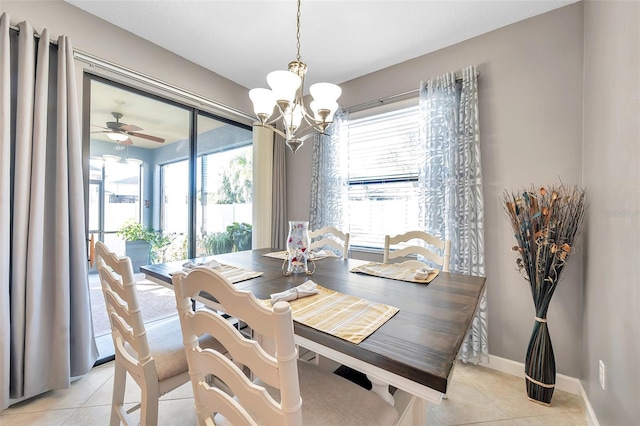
46 334
329 202
450 181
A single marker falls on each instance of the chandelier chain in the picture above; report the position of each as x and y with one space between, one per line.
298 32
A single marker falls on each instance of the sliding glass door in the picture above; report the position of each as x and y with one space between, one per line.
224 182
180 173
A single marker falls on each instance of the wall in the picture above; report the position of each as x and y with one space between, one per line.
612 237
103 39
531 133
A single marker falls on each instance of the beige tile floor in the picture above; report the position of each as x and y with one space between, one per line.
477 396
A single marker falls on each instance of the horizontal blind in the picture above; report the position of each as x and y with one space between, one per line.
383 174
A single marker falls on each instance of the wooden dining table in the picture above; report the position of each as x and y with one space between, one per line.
415 351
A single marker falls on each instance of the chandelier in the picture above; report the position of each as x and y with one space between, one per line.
287 94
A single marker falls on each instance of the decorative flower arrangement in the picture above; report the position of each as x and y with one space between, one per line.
545 222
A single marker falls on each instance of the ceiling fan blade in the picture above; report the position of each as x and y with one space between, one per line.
101 127
130 128
143 136
126 142
102 131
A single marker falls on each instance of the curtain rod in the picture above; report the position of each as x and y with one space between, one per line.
35 34
95 61
127 72
391 98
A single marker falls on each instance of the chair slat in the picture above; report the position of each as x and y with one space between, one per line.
331 236
444 246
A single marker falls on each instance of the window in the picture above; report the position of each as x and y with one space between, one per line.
383 175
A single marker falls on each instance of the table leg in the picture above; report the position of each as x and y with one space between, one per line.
381 389
420 407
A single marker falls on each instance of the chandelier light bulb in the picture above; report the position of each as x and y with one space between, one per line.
263 103
325 92
323 112
293 117
284 85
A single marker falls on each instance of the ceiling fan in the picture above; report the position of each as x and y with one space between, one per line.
120 132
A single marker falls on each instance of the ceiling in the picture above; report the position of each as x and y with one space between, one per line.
340 40
245 40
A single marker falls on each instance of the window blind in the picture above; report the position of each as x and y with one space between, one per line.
383 175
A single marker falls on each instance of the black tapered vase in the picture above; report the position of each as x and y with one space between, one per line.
540 364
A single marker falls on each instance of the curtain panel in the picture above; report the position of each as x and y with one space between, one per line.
279 225
450 184
46 329
329 196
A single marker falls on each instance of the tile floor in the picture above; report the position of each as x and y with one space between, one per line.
477 396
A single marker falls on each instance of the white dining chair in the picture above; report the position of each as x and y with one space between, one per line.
155 358
441 257
285 390
331 237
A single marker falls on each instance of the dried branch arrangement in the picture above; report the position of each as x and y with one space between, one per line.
545 222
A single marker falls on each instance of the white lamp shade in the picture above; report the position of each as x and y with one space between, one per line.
284 85
325 93
263 101
117 136
332 107
109 157
293 117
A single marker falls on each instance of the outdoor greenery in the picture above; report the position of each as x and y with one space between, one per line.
237 183
236 238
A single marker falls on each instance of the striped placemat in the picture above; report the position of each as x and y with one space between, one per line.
341 315
395 271
232 273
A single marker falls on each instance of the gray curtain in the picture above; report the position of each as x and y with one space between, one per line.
46 328
279 223
329 202
450 182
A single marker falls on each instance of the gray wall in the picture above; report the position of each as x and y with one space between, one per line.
531 133
103 39
612 238
531 99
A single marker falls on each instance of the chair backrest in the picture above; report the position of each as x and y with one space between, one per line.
332 237
251 403
440 259
123 308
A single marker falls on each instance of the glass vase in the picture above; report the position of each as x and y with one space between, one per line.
298 242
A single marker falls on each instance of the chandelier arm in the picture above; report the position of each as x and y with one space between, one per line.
270 127
319 126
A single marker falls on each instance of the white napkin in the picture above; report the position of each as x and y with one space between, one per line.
211 264
308 288
321 254
423 273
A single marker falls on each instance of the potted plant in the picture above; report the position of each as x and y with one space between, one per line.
240 234
142 245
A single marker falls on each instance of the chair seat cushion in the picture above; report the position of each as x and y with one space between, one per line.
328 399
167 348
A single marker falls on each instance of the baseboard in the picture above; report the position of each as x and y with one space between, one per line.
592 420
563 382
